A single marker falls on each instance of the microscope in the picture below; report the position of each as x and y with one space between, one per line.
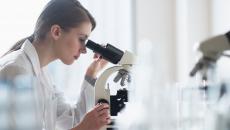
212 49
125 61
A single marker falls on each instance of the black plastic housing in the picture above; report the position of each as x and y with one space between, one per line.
109 52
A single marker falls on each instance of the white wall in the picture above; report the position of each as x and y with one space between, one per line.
155 24
193 24
173 27
220 16
17 20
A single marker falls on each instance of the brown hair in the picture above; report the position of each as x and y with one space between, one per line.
65 13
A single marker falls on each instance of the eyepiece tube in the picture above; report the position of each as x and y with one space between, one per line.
109 52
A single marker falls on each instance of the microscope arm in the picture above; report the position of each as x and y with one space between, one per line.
102 93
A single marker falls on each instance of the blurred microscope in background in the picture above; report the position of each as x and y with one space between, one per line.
200 105
212 50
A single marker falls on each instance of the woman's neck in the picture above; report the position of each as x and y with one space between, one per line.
45 52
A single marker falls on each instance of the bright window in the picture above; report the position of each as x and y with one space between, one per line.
17 20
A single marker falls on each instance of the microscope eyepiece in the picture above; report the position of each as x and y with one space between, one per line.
109 52
228 36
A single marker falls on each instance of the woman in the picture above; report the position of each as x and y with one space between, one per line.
61 32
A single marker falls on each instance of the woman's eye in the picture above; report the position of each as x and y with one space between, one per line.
82 41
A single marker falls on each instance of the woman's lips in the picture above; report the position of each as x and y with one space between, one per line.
75 57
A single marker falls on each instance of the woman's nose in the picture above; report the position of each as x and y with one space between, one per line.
83 50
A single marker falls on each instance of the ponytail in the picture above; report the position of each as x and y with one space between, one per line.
18 44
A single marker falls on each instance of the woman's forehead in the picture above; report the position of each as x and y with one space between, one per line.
84 28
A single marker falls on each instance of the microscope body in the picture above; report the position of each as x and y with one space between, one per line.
102 92
124 61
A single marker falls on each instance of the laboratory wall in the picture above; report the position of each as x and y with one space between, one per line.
174 28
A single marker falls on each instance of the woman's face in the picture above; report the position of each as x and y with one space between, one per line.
71 44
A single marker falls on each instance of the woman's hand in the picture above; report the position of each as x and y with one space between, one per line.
96 66
95 119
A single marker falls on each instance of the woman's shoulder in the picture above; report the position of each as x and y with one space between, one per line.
14 63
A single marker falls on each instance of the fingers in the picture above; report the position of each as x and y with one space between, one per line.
102 106
96 56
103 113
97 118
105 117
100 61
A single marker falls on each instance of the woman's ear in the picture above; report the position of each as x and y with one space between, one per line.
55 31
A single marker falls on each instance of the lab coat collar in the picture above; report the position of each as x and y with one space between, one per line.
32 55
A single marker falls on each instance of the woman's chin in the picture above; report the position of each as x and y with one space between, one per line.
68 62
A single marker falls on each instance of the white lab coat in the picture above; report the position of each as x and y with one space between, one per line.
51 110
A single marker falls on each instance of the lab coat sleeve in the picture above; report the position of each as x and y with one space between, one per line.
69 116
86 101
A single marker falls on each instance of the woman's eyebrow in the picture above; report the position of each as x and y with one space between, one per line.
84 35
